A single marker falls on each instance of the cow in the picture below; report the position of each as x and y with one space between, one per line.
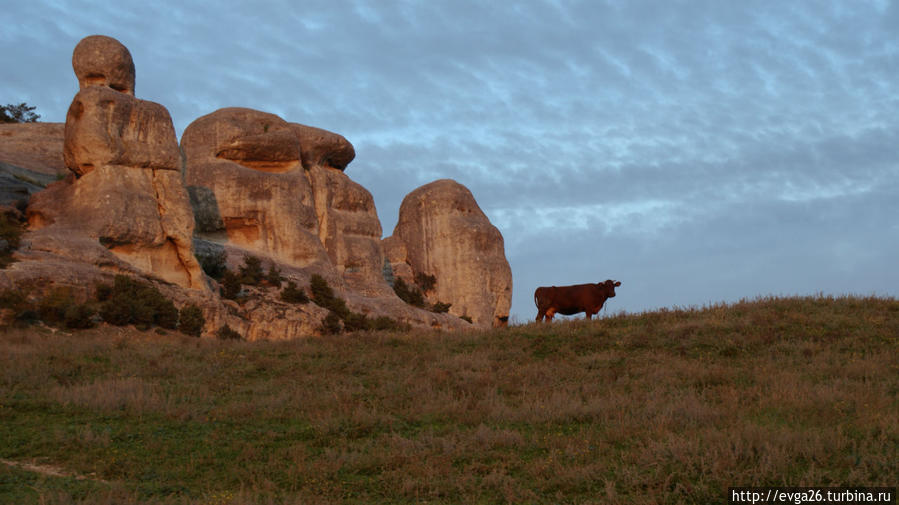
568 300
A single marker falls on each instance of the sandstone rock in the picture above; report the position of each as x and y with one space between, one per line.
128 196
321 148
103 61
349 229
249 189
33 146
105 127
442 232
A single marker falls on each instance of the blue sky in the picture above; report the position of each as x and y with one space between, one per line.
697 151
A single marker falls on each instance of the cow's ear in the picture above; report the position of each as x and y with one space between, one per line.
617 283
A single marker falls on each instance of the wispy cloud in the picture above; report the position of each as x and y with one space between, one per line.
702 144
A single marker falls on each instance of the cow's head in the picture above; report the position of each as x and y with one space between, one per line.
609 287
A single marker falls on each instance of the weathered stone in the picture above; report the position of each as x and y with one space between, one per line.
105 127
249 188
99 60
128 196
442 232
349 229
33 146
321 148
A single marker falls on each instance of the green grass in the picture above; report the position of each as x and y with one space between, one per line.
664 407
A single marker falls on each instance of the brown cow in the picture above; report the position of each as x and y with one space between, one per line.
570 300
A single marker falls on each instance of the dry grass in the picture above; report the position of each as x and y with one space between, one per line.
664 407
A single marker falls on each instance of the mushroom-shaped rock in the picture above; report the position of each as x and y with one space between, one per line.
248 187
442 232
323 148
99 60
128 193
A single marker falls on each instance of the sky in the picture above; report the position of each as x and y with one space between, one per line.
697 151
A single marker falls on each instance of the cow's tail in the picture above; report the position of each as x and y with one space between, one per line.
536 300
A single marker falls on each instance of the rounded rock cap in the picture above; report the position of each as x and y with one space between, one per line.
99 60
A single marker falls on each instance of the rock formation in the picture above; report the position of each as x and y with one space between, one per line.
248 187
33 146
278 189
253 184
442 232
126 192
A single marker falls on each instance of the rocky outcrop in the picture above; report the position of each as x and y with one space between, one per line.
126 193
252 185
249 189
348 224
442 232
33 146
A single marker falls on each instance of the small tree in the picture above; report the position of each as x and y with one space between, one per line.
22 113
331 324
230 285
293 294
213 264
191 320
273 277
226 333
251 271
425 282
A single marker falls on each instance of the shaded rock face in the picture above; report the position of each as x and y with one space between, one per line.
127 191
442 232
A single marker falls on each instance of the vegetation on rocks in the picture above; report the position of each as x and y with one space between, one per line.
127 301
11 230
667 407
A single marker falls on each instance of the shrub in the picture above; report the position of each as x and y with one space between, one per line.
410 295
10 236
226 333
331 324
273 277
52 308
386 323
130 301
251 271
79 317
324 296
356 322
213 264
293 294
425 282
103 292
16 300
322 293
191 320
441 307
230 285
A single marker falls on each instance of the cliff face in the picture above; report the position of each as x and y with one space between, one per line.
242 182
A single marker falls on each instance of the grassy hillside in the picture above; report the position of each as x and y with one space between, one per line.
664 407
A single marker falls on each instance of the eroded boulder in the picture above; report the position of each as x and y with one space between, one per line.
444 233
103 61
249 189
126 192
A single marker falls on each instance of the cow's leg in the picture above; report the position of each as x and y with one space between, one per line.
540 314
589 315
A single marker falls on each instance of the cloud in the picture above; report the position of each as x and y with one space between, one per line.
700 150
